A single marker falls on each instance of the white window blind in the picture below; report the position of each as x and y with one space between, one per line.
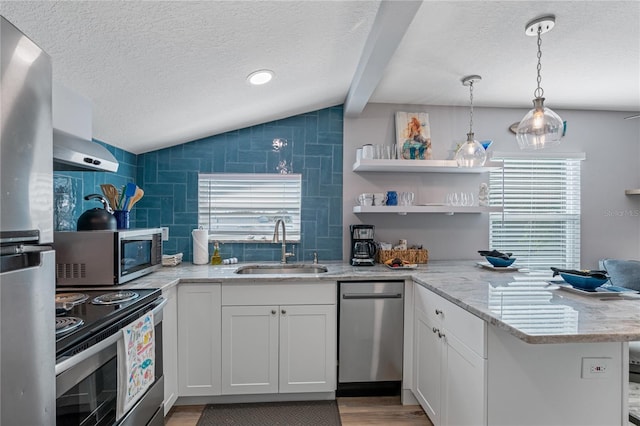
245 207
540 222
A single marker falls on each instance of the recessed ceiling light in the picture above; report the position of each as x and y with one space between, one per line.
260 77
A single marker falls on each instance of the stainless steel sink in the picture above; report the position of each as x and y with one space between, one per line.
281 269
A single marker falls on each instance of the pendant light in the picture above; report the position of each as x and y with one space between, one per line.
471 153
541 127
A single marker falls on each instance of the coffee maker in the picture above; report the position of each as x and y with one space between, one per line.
363 248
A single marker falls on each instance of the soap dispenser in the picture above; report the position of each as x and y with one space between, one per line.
216 259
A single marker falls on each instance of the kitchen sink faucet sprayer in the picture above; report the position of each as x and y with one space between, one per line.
285 255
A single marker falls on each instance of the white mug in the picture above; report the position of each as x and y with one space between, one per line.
368 152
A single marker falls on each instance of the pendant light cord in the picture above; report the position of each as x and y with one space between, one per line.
471 102
539 92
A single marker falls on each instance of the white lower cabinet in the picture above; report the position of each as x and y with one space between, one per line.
250 354
199 339
170 348
427 369
278 338
449 361
278 349
307 348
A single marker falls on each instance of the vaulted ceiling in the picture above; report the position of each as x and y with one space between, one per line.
163 73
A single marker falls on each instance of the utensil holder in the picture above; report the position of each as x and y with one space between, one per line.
122 218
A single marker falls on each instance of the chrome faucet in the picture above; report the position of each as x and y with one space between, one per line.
285 255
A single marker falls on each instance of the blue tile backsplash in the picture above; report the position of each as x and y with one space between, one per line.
169 178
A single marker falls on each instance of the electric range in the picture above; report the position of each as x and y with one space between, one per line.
85 317
95 383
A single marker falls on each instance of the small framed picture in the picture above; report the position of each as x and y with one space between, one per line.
413 135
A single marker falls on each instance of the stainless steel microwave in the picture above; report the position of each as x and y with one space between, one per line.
98 258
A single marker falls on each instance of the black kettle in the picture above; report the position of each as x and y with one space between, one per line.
97 219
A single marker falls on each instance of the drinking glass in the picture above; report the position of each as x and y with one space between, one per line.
378 152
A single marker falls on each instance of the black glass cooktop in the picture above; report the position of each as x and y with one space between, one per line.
98 319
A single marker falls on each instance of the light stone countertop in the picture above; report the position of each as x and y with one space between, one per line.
521 304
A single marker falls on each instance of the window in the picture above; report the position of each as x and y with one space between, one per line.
245 207
540 222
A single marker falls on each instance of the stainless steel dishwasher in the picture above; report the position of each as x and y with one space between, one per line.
371 322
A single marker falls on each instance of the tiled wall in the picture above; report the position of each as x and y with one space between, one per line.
71 187
169 178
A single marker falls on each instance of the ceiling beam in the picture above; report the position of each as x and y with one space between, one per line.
391 23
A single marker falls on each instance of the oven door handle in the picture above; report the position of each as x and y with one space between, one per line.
158 310
71 361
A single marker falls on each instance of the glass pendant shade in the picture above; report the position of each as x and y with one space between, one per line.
471 153
540 128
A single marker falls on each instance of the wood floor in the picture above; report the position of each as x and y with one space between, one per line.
353 412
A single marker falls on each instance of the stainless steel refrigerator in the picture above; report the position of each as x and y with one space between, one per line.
27 277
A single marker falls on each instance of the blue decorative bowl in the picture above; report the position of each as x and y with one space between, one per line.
583 282
499 262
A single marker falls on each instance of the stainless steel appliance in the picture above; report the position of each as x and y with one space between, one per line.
27 286
370 337
89 362
98 258
363 247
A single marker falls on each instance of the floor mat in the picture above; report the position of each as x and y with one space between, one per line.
298 413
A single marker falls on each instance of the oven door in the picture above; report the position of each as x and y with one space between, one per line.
86 385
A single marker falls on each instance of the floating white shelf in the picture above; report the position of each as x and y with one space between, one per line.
632 191
421 166
402 210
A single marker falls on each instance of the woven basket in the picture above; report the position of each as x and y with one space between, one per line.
411 255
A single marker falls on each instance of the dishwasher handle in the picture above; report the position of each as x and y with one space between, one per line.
372 296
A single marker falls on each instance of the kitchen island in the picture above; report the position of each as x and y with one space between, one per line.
509 348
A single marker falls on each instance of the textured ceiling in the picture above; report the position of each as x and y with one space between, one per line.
163 73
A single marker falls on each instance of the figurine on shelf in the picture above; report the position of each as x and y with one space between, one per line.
483 195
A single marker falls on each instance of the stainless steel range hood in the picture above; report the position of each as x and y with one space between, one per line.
76 154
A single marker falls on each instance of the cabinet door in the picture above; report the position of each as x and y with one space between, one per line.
427 369
463 387
250 349
199 339
307 348
170 348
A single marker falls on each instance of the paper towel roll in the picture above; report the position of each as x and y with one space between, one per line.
200 246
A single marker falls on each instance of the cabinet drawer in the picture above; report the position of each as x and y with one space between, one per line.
427 302
255 293
468 328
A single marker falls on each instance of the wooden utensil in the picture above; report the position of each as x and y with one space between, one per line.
136 197
111 192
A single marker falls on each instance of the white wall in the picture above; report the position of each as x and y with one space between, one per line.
610 219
